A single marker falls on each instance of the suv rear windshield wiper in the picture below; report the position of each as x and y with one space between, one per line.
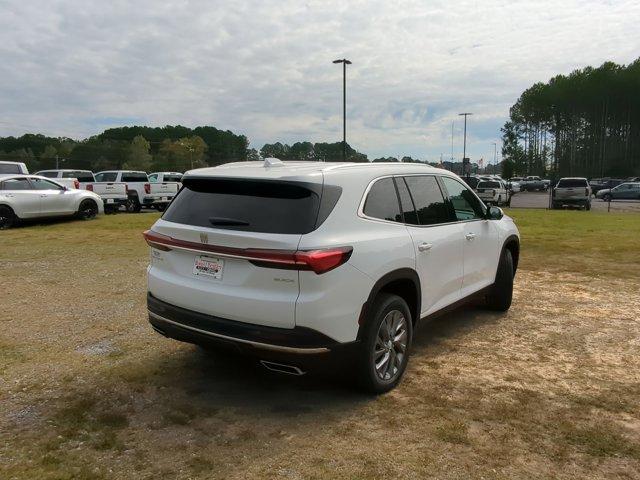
230 222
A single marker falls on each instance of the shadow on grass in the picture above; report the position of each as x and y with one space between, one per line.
187 385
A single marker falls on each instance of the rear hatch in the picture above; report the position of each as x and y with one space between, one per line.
225 235
571 189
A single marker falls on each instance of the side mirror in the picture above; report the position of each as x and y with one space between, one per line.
494 213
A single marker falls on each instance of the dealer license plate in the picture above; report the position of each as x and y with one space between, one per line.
208 267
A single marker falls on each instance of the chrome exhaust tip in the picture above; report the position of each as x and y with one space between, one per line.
282 368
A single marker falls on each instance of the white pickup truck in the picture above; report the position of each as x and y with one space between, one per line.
140 191
160 177
13 168
113 194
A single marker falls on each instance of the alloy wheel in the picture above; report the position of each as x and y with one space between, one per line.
89 211
391 345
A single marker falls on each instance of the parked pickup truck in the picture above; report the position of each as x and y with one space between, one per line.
571 191
140 191
13 168
113 194
532 183
161 177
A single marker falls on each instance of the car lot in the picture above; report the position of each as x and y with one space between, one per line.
548 390
541 200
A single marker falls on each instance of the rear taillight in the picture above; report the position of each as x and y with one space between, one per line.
586 192
126 188
76 184
318 260
493 192
321 261
89 187
147 188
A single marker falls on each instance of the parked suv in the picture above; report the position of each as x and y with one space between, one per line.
306 263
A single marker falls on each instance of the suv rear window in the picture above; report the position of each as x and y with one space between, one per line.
264 206
572 183
9 168
488 185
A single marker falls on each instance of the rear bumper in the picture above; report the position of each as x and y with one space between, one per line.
112 202
158 200
571 201
266 342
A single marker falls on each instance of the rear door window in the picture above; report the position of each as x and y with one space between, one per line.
382 201
252 205
48 174
406 202
15 184
428 199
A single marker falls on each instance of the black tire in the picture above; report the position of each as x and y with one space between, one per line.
161 207
7 217
554 206
133 205
385 308
499 298
587 206
88 210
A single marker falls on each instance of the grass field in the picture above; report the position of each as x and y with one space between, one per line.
550 389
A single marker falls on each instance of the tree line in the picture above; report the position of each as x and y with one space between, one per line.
584 124
170 148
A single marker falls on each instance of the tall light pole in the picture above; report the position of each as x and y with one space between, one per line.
344 63
495 155
464 148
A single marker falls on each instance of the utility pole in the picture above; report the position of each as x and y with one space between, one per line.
451 142
344 63
464 148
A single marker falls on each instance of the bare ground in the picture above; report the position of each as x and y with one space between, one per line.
550 389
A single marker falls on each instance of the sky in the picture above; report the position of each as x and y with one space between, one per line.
264 68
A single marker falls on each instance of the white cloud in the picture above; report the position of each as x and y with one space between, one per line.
263 68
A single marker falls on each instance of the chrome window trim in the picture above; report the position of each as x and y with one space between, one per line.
362 215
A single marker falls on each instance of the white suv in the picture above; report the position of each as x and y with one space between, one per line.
307 263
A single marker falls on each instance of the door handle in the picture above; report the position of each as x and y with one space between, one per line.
470 236
424 247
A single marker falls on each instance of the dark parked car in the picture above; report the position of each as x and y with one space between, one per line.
598 184
624 191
